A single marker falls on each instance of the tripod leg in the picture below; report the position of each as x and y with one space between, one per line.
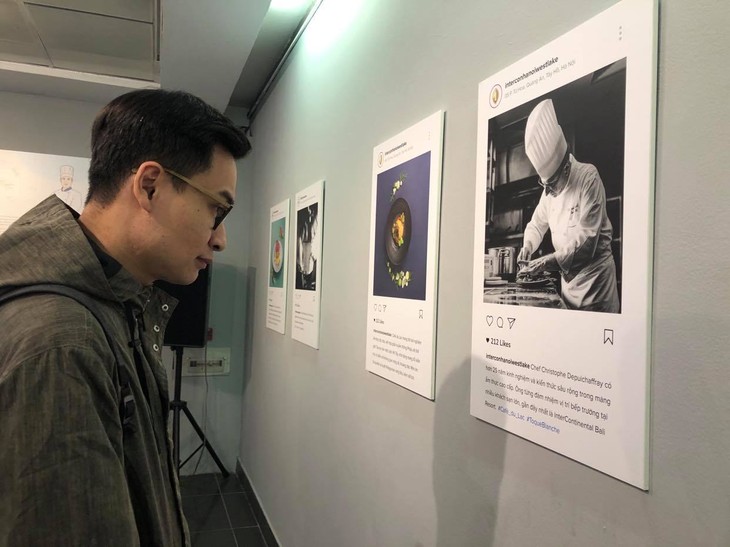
200 433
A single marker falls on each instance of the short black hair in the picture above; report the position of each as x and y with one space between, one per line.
174 128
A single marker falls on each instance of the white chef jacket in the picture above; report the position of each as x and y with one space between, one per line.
70 197
581 234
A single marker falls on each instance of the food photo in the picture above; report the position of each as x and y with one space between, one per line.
401 230
276 266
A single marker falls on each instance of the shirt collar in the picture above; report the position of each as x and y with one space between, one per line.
110 266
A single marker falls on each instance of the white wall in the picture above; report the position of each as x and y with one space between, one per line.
341 457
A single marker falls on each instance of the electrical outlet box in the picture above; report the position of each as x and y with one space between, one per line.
210 362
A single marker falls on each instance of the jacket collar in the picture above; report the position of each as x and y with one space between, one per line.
47 245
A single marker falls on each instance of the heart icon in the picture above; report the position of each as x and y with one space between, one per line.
490 319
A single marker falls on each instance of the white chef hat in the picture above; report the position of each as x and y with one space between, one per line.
544 140
67 171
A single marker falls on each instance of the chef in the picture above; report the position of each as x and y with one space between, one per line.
66 193
573 207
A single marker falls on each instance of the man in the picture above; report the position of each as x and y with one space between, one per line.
573 206
307 251
66 193
161 180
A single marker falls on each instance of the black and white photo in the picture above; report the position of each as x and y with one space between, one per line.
554 198
309 207
307 251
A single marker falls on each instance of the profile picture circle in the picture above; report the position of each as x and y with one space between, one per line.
495 96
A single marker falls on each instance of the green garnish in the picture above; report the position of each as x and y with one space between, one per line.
400 278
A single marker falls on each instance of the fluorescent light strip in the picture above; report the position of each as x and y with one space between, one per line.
116 81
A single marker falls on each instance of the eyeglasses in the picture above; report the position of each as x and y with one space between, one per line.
224 207
552 181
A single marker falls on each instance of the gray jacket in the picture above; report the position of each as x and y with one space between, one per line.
69 474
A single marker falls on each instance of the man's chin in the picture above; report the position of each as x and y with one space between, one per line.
191 279
183 279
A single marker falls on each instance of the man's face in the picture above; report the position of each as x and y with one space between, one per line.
66 182
555 184
187 240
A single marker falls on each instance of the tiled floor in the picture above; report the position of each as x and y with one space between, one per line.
219 512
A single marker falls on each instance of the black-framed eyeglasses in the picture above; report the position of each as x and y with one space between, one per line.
224 207
552 181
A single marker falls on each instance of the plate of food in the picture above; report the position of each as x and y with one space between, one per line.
537 279
398 231
277 257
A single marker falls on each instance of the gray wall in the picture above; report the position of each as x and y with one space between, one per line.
46 125
341 457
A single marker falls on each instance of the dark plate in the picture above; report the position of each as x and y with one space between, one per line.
539 282
397 254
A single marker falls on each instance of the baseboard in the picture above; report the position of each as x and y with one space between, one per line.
263 521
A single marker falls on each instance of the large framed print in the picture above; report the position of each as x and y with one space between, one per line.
563 243
309 207
277 267
406 197
27 179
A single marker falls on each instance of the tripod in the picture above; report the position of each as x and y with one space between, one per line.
176 405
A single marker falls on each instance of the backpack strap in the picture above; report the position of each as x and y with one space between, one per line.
126 399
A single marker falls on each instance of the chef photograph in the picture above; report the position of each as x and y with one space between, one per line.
307 251
573 207
66 193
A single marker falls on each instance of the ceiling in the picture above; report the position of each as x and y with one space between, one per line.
222 50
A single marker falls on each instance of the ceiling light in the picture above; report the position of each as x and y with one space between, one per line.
289 5
332 20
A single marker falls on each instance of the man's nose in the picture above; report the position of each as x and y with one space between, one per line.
218 238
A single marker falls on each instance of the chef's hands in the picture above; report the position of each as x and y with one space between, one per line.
524 257
547 263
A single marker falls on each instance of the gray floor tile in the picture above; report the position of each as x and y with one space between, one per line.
215 538
205 513
249 537
198 485
230 484
239 510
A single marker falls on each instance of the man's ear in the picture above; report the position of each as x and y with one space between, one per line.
145 183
